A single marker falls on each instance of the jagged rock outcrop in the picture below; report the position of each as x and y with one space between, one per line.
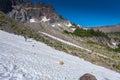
22 12
19 14
38 10
6 5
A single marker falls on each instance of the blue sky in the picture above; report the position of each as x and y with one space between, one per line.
88 13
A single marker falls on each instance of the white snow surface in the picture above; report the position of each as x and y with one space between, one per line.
32 60
44 19
53 25
114 43
32 21
68 24
73 29
59 24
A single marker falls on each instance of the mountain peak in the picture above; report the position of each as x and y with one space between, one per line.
6 5
25 11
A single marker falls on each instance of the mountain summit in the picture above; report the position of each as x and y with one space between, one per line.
23 10
6 5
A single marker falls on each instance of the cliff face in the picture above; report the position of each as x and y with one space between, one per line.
24 11
39 9
6 5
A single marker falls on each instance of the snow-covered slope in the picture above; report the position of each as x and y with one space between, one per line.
32 60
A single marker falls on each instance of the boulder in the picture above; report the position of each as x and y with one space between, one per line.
61 62
88 76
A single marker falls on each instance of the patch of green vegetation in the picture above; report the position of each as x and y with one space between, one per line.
1 18
87 33
65 31
115 36
116 33
91 42
117 49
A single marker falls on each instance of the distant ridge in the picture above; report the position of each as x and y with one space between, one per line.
108 29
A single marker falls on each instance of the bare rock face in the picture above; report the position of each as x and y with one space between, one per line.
19 14
6 5
23 10
87 76
37 10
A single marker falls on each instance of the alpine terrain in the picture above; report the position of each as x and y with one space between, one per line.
37 43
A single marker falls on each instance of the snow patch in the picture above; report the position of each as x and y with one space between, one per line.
66 42
53 25
114 43
69 24
59 24
85 28
79 25
32 20
44 19
73 29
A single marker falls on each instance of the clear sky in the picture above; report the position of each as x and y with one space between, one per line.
88 13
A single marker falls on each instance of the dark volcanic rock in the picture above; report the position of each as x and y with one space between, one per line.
5 6
87 77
